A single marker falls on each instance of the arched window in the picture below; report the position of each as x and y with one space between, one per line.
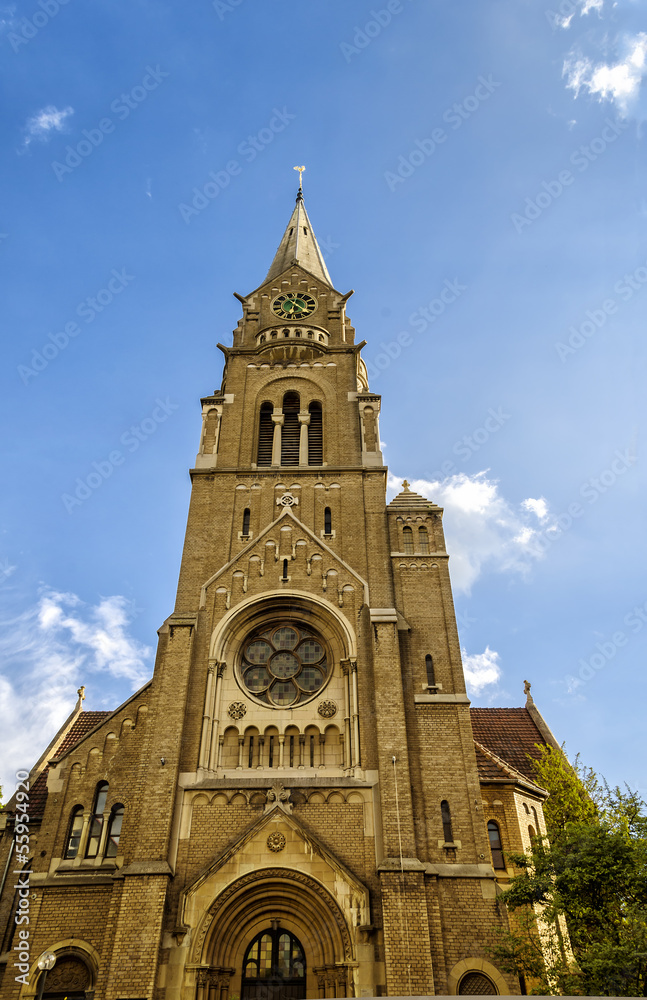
407 536
315 435
447 822
534 816
496 846
476 984
274 965
290 432
96 822
246 516
114 831
431 675
423 541
74 833
531 832
265 435
328 521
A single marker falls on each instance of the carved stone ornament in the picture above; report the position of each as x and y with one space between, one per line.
69 973
277 795
237 710
327 709
276 842
287 500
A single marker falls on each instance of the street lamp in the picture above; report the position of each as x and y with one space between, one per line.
45 964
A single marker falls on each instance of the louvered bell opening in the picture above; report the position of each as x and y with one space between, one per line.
265 435
290 432
315 435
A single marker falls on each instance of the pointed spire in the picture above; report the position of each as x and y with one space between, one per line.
299 245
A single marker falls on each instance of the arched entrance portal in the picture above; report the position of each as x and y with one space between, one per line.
274 967
274 934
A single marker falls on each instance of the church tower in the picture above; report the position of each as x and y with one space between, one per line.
292 806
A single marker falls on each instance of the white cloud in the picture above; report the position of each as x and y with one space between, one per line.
568 10
47 652
46 121
481 669
538 507
6 569
484 532
619 82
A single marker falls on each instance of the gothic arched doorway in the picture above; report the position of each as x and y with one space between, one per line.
268 903
274 967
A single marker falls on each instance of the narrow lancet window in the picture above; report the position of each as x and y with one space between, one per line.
291 431
328 521
265 435
315 435
423 541
431 674
407 537
74 834
447 822
246 516
96 823
496 846
114 831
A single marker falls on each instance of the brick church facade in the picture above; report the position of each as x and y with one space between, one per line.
300 802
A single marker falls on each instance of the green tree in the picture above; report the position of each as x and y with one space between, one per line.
589 876
575 791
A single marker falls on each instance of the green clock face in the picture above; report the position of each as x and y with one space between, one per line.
294 305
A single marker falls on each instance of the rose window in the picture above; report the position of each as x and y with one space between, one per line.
284 666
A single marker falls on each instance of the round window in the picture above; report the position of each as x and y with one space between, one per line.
284 665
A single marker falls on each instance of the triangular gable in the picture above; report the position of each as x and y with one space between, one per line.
251 545
106 717
256 832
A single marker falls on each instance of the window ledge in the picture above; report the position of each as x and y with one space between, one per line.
105 867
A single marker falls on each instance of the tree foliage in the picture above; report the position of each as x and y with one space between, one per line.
589 877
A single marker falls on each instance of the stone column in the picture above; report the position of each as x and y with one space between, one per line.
304 420
356 752
202 984
216 717
278 420
347 739
205 740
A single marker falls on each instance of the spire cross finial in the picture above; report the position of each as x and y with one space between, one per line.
405 486
300 169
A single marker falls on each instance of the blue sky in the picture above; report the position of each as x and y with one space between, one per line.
493 149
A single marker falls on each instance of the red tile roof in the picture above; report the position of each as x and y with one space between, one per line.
85 722
38 795
510 733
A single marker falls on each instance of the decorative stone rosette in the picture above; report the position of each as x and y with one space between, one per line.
276 842
327 709
237 710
